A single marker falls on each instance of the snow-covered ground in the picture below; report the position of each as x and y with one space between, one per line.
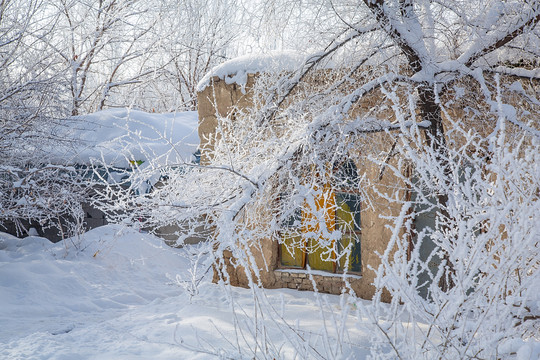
119 295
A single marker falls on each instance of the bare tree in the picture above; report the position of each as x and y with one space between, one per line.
441 94
190 37
102 45
27 78
34 187
140 53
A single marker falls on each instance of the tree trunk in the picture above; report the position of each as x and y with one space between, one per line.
435 139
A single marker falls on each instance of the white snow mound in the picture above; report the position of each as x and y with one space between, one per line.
120 136
236 71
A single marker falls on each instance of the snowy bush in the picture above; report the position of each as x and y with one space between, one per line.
482 293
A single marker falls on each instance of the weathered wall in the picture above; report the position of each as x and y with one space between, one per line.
220 100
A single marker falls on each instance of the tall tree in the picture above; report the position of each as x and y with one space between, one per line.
102 45
32 188
452 89
190 38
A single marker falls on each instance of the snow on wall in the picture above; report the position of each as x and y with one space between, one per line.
237 70
118 136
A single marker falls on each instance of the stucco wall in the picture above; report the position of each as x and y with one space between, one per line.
220 100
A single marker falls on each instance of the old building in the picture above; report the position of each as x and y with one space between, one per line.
362 227
284 258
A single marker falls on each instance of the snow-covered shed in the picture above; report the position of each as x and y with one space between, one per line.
120 136
117 140
123 138
228 89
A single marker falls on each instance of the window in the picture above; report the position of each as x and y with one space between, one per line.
340 205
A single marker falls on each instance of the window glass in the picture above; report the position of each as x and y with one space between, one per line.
342 213
348 222
350 245
347 212
291 253
315 257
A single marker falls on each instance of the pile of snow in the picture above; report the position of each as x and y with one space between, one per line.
121 294
46 287
120 297
236 71
121 136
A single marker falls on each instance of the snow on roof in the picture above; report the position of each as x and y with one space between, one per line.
236 70
121 136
